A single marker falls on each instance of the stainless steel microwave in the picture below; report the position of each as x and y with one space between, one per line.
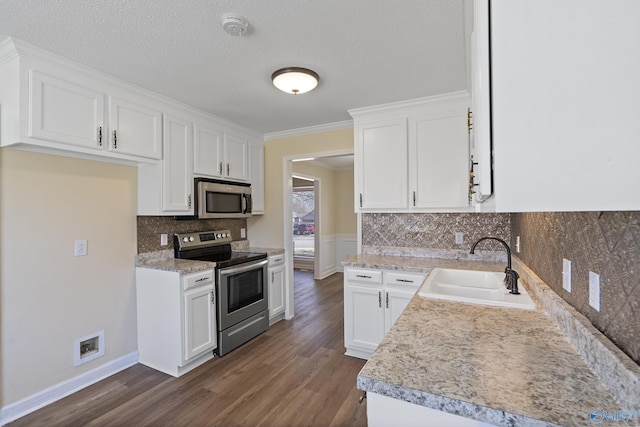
222 199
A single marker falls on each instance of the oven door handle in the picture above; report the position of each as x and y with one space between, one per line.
245 267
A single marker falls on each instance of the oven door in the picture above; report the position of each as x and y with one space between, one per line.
242 292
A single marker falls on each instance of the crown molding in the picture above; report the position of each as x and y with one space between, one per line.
347 124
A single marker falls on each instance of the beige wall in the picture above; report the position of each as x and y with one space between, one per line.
49 297
267 230
345 219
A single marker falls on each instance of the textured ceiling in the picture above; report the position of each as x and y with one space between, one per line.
367 52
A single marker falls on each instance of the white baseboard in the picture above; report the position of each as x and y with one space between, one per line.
56 392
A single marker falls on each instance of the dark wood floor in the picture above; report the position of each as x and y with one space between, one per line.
295 374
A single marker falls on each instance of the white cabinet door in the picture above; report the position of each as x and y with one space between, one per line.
236 153
199 321
134 129
256 175
208 150
65 112
276 290
177 182
395 303
564 104
381 165
439 153
365 326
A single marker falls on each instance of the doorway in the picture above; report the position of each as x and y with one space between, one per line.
324 215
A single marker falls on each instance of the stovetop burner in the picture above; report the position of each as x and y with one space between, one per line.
212 246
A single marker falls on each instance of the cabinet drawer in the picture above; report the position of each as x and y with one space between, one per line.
198 279
368 276
404 279
275 260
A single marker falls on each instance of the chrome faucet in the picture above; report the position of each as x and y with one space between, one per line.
511 276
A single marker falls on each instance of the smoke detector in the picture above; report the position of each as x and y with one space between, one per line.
234 24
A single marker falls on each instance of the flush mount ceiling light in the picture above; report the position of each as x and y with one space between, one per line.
295 80
234 24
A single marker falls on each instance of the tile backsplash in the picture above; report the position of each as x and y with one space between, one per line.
433 234
606 243
151 227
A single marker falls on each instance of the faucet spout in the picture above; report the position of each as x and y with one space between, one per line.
473 247
511 276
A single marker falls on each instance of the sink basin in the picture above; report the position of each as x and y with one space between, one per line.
476 287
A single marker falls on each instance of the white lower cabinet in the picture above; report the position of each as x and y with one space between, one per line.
276 288
383 411
176 319
373 301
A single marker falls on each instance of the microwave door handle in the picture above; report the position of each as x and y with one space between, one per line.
244 204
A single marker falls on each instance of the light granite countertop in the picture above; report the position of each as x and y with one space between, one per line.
164 260
501 366
418 264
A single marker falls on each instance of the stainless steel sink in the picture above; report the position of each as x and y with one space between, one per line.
476 287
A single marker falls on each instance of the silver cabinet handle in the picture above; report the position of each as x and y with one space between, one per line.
387 298
227 169
362 276
189 201
100 136
115 140
213 297
360 199
221 168
379 299
404 280
414 198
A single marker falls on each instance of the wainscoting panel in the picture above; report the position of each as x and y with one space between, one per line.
346 246
327 257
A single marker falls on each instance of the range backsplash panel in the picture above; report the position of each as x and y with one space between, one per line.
151 227
606 243
433 234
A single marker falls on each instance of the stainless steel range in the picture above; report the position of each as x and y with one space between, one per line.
242 300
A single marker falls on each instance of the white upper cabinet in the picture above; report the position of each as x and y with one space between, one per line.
256 175
413 156
56 106
381 165
236 157
207 150
439 159
166 187
177 176
220 152
64 112
134 129
565 102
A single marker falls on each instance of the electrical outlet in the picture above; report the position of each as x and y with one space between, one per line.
594 290
518 244
243 233
80 248
459 238
566 275
164 240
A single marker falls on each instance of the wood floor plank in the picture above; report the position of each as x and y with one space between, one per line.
295 374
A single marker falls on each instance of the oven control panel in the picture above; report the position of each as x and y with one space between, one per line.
202 239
